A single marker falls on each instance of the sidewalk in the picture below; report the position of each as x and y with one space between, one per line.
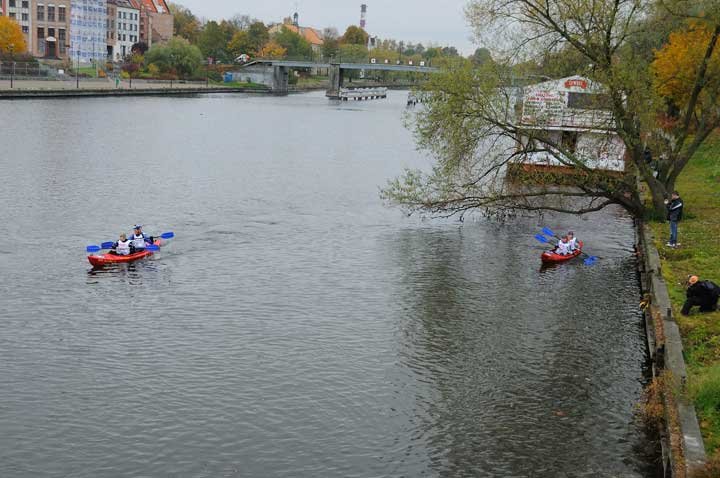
98 84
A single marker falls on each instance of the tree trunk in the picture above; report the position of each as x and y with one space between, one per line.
659 193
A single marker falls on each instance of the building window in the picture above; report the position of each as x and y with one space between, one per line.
25 4
61 14
51 32
41 40
11 4
12 14
62 38
25 29
41 12
25 17
51 13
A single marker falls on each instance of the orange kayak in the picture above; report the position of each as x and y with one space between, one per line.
551 257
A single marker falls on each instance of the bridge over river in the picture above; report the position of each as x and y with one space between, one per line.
276 72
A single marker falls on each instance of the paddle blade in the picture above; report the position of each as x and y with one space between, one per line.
152 247
167 235
548 231
590 261
92 248
107 245
542 238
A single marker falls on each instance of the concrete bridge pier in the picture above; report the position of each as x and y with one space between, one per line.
280 80
335 74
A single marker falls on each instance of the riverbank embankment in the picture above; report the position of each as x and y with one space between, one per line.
28 89
699 254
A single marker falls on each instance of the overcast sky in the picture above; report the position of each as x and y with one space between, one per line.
441 22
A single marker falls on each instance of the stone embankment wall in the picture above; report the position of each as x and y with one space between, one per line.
682 443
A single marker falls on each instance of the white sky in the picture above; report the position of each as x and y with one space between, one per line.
439 22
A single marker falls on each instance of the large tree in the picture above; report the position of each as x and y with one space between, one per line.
12 40
258 35
213 41
185 23
471 126
294 44
331 42
355 35
177 56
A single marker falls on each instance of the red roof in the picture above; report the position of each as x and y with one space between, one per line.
156 6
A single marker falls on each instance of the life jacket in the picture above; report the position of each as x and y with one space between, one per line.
138 241
573 243
123 248
563 248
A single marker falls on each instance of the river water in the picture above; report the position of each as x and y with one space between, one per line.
295 327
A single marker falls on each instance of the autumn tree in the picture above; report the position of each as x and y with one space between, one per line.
677 63
12 40
241 44
273 50
258 35
213 42
295 45
471 126
354 35
185 23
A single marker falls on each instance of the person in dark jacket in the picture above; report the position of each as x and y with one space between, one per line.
674 215
702 293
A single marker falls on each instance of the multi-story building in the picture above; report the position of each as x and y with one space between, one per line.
123 24
88 30
51 27
156 21
20 11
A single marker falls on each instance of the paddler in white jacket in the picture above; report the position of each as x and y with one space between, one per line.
138 239
563 247
572 240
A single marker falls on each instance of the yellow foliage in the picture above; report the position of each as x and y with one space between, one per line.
677 63
11 34
272 49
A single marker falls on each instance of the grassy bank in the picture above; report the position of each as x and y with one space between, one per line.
699 254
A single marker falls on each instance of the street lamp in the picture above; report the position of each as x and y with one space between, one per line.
11 47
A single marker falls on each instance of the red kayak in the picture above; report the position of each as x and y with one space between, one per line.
551 257
99 260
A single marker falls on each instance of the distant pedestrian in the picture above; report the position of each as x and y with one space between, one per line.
702 293
674 215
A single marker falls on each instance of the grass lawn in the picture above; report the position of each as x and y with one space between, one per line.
699 254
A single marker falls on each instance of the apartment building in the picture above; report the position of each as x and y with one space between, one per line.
20 11
156 21
123 23
51 28
88 30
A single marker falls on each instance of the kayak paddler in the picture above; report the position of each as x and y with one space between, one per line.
572 240
563 247
138 239
122 246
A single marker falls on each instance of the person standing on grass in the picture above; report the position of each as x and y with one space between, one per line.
674 215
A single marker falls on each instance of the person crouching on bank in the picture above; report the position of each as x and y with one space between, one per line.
703 293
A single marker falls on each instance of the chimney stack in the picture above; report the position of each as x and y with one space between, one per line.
363 16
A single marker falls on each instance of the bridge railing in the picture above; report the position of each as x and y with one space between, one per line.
369 59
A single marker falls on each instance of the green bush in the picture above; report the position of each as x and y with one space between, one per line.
177 57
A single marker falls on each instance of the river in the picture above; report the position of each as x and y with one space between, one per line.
295 327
